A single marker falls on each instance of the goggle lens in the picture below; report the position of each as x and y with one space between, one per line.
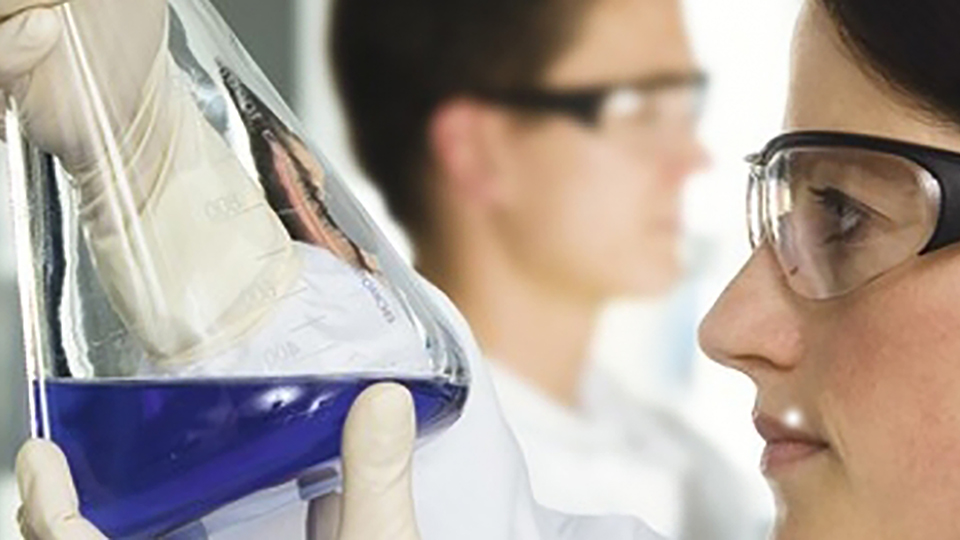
839 217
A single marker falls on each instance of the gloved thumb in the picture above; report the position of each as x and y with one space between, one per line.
377 450
25 40
50 509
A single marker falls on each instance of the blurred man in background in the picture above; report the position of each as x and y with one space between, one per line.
535 152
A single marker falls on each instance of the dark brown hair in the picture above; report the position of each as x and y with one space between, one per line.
914 45
395 61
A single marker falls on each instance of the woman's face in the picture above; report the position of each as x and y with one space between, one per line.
858 396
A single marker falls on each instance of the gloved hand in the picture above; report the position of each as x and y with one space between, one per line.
50 510
95 85
54 88
377 502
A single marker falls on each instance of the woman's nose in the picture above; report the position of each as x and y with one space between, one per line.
755 324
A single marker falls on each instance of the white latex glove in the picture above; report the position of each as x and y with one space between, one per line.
143 189
377 499
50 510
38 71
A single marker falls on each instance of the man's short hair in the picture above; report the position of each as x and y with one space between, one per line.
395 61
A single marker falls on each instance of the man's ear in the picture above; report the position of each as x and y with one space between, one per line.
461 136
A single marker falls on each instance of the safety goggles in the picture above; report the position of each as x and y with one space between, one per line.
841 209
642 103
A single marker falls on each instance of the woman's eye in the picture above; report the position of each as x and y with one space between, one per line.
844 217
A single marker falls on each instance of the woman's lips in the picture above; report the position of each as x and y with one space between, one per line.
785 445
778 455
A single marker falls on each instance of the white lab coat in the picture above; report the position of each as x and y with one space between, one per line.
615 454
470 483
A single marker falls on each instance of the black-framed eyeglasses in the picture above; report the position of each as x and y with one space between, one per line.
646 100
841 209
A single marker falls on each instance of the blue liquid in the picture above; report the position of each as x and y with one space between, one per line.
150 456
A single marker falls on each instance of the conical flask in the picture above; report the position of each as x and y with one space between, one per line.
202 297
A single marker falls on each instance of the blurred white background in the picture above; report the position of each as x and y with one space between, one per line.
743 44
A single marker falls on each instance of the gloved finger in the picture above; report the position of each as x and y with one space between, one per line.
25 531
377 450
51 510
323 518
25 40
9 8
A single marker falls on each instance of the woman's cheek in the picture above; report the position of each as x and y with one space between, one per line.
893 389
